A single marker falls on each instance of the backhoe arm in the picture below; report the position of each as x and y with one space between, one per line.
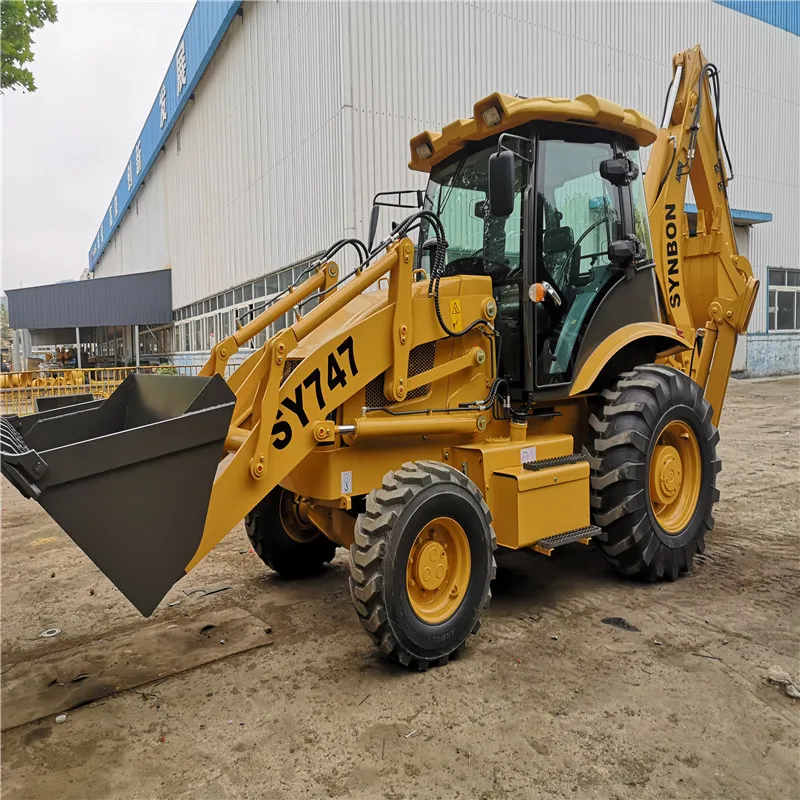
707 288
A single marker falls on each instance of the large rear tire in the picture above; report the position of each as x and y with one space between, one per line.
422 563
654 470
284 539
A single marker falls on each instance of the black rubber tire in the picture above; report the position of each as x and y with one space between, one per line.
632 415
384 535
289 558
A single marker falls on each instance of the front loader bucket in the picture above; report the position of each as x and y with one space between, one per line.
128 478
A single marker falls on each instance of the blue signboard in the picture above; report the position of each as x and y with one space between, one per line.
204 31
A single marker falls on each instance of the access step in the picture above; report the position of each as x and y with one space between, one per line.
558 461
582 535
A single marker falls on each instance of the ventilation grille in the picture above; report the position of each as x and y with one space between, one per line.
420 359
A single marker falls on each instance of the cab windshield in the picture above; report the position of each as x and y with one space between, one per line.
477 242
481 244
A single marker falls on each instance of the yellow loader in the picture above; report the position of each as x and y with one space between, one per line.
546 365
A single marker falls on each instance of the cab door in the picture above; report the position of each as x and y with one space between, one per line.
579 213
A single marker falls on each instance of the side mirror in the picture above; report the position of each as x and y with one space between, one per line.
619 171
501 184
625 251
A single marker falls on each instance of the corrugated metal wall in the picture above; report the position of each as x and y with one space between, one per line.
251 177
257 180
306 111
454 54
142 243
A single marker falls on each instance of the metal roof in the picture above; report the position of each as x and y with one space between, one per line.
740 216
143 298
204 31
783 14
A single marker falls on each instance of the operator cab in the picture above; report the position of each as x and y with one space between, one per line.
572 195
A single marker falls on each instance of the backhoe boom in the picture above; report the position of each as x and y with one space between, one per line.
708 289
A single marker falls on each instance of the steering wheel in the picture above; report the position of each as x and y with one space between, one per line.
478 265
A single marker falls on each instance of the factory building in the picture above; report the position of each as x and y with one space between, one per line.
277 122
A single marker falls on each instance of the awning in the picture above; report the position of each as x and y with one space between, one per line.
740 216
143 298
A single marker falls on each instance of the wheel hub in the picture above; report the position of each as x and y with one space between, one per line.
668 473
675 476
438 570
430 567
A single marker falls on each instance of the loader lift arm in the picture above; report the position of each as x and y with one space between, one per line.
707 287
276 421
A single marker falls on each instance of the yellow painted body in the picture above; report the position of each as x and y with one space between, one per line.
587 109
369 380
670 341
706 285
535 505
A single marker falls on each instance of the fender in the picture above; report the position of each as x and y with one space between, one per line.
666 338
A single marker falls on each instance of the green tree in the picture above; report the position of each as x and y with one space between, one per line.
5 331
18 20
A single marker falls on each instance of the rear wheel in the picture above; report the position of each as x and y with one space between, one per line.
285 538
654 472
422 563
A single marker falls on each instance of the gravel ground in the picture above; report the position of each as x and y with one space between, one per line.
546 702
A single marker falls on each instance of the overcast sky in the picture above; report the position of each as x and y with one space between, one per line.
64 147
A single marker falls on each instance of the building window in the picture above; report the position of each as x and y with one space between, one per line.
284 279
784 299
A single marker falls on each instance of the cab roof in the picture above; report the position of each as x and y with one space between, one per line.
587 109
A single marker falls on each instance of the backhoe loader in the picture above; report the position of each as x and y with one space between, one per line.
546 366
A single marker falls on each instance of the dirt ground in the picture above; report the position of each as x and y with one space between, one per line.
546 702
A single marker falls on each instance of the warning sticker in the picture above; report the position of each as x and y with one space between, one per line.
456 321
527 454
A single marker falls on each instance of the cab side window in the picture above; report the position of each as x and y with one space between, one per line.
579 215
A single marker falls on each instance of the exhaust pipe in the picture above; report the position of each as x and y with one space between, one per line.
129 478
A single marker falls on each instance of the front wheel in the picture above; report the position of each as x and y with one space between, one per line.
422 563
654 470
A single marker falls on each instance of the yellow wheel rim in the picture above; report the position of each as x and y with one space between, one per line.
676 469
438 570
